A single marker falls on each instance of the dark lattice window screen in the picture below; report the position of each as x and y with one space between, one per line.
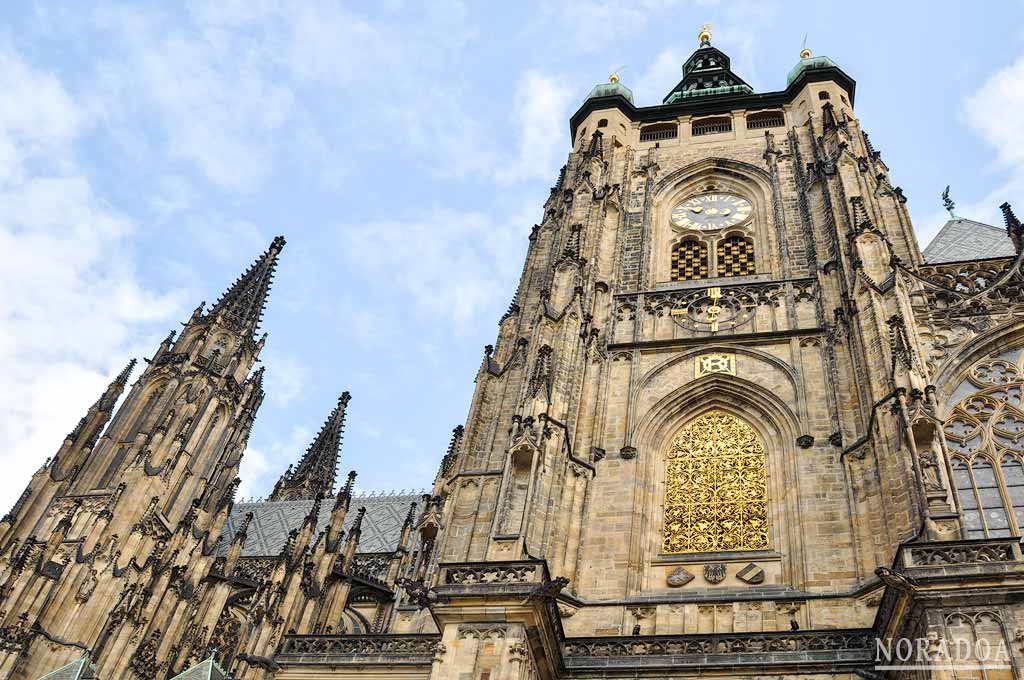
735 256
690 261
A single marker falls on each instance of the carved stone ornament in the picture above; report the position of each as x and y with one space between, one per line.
714 309
751 574
714 573
679 578
565 611
628 452
714 362
805 441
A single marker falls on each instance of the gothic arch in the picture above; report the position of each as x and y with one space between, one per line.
742 179
981 406
776 426
799 411
952 370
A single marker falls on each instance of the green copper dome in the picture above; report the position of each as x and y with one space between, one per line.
808 63
610 90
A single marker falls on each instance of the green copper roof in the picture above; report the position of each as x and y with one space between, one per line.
610 90
808 63
708 92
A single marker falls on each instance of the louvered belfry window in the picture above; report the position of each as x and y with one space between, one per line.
690 261
735 255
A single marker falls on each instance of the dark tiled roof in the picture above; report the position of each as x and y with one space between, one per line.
204 670
272 520
961 239
76 670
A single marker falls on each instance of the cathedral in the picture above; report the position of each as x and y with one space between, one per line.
734 424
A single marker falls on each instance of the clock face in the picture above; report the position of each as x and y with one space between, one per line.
711 211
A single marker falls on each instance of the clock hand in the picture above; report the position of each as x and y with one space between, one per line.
696 208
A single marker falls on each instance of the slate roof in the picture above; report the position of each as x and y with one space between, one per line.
204 670
76 670
272 520
963 239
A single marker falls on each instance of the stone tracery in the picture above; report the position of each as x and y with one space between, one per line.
985 433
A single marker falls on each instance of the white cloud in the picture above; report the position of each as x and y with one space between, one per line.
230 79
212 91
591 25
286 377
540 109
71 306
451 264
988 108
263 464
660 77
991 113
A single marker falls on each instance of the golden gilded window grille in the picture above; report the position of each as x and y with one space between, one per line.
690 261
716 494
735 256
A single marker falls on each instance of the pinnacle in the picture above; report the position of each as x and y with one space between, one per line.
315 473
243 303
122 377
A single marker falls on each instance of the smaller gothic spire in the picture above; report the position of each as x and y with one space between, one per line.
242 304
345 495
315 473
116 387
105 404
448 461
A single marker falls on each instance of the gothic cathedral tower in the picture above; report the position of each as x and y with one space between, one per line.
733 424
713 416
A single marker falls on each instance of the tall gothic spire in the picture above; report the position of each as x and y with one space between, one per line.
315 473
242 305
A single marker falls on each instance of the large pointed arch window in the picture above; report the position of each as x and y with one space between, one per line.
716 496
985 435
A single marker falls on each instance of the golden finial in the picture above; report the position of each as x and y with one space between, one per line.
805 53
614 77
705 35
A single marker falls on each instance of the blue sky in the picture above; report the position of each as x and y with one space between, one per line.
147 155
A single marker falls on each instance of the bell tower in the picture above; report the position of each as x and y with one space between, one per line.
704 328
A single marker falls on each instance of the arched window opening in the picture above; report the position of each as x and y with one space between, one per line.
978 637
735 256
711 126
653 133
823 95
602 123
716 493
985 433
690 260
980 499
765 119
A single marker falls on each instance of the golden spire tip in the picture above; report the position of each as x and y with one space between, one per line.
805 53
705 35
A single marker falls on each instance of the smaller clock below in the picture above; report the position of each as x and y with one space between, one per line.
709 212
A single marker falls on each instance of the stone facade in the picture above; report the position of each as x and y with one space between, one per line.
875 493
